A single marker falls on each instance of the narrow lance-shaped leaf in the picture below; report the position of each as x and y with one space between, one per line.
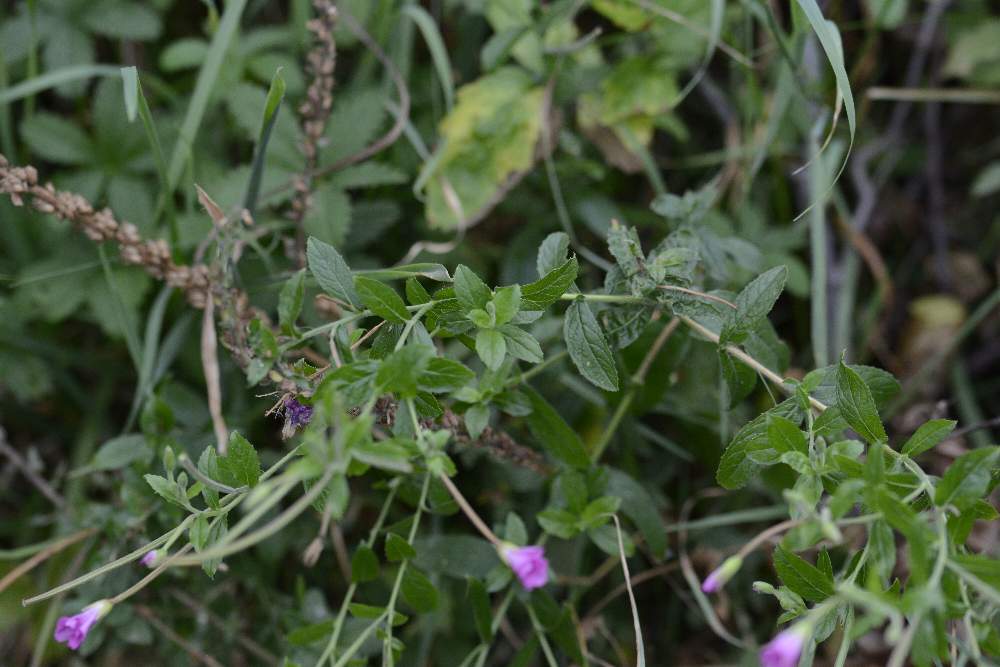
331 272
856 405
275 94
381 300
542 293
753 304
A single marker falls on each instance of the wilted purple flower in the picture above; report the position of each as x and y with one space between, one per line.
722 574
528 563
149 560
784 650
298 414
73 629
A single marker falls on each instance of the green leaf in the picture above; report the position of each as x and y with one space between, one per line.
507 303
491 347
477 418
750 449
753 304
481 612
331 272
368 611
430 270
785 435
928 436
856 405
381 300
397 549
588 348
458 556
240 466
639 506
167 490
551 255
418 591
521 344
470 290
401 371
275 94
740 379
489 141
121 451
364 565
968 477
57 140
554 433
802 577
542 293
290 301
444 375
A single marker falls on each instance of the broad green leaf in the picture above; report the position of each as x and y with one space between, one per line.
240 466
588 348
740 379
444 375
368 611
481 611
928 436
57 140
507 303
429 270
491 347
166 489
488 141
381 300
968 477
551 254
364 565
553 433
521 344
802 577
542 293
290 301
331 272
418 591
856 405
639 506
750 449
397 549
470 290
785 435
822 383
401 371
458 556
753 304
121 451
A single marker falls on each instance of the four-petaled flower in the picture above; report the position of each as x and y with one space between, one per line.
73 629
784 650
149 560
528 563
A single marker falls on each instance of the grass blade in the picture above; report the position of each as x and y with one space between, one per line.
52 79
275 94
439 54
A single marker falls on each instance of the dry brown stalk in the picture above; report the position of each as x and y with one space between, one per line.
314 110
21 183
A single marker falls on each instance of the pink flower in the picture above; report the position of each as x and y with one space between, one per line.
784 650
73 629
722 574
149 560
528 563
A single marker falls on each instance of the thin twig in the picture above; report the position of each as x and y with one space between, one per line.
37 480
213 383
42 556
247 643
169 633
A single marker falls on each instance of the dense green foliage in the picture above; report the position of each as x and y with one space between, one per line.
432 282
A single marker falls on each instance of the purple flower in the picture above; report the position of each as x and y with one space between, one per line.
784 650
149 560
73 629
297 413
528 563
722 574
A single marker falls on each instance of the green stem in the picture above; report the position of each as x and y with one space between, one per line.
540 633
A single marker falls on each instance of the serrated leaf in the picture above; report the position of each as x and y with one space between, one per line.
856 405
552 253
331 272
431 270
802 577
444 375
753 304
470 290
521 344
928 436
240 466
785 435
381 300
554 433
166 489
542 293
588 348
740 379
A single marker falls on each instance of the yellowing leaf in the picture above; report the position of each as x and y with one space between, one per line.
489 142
